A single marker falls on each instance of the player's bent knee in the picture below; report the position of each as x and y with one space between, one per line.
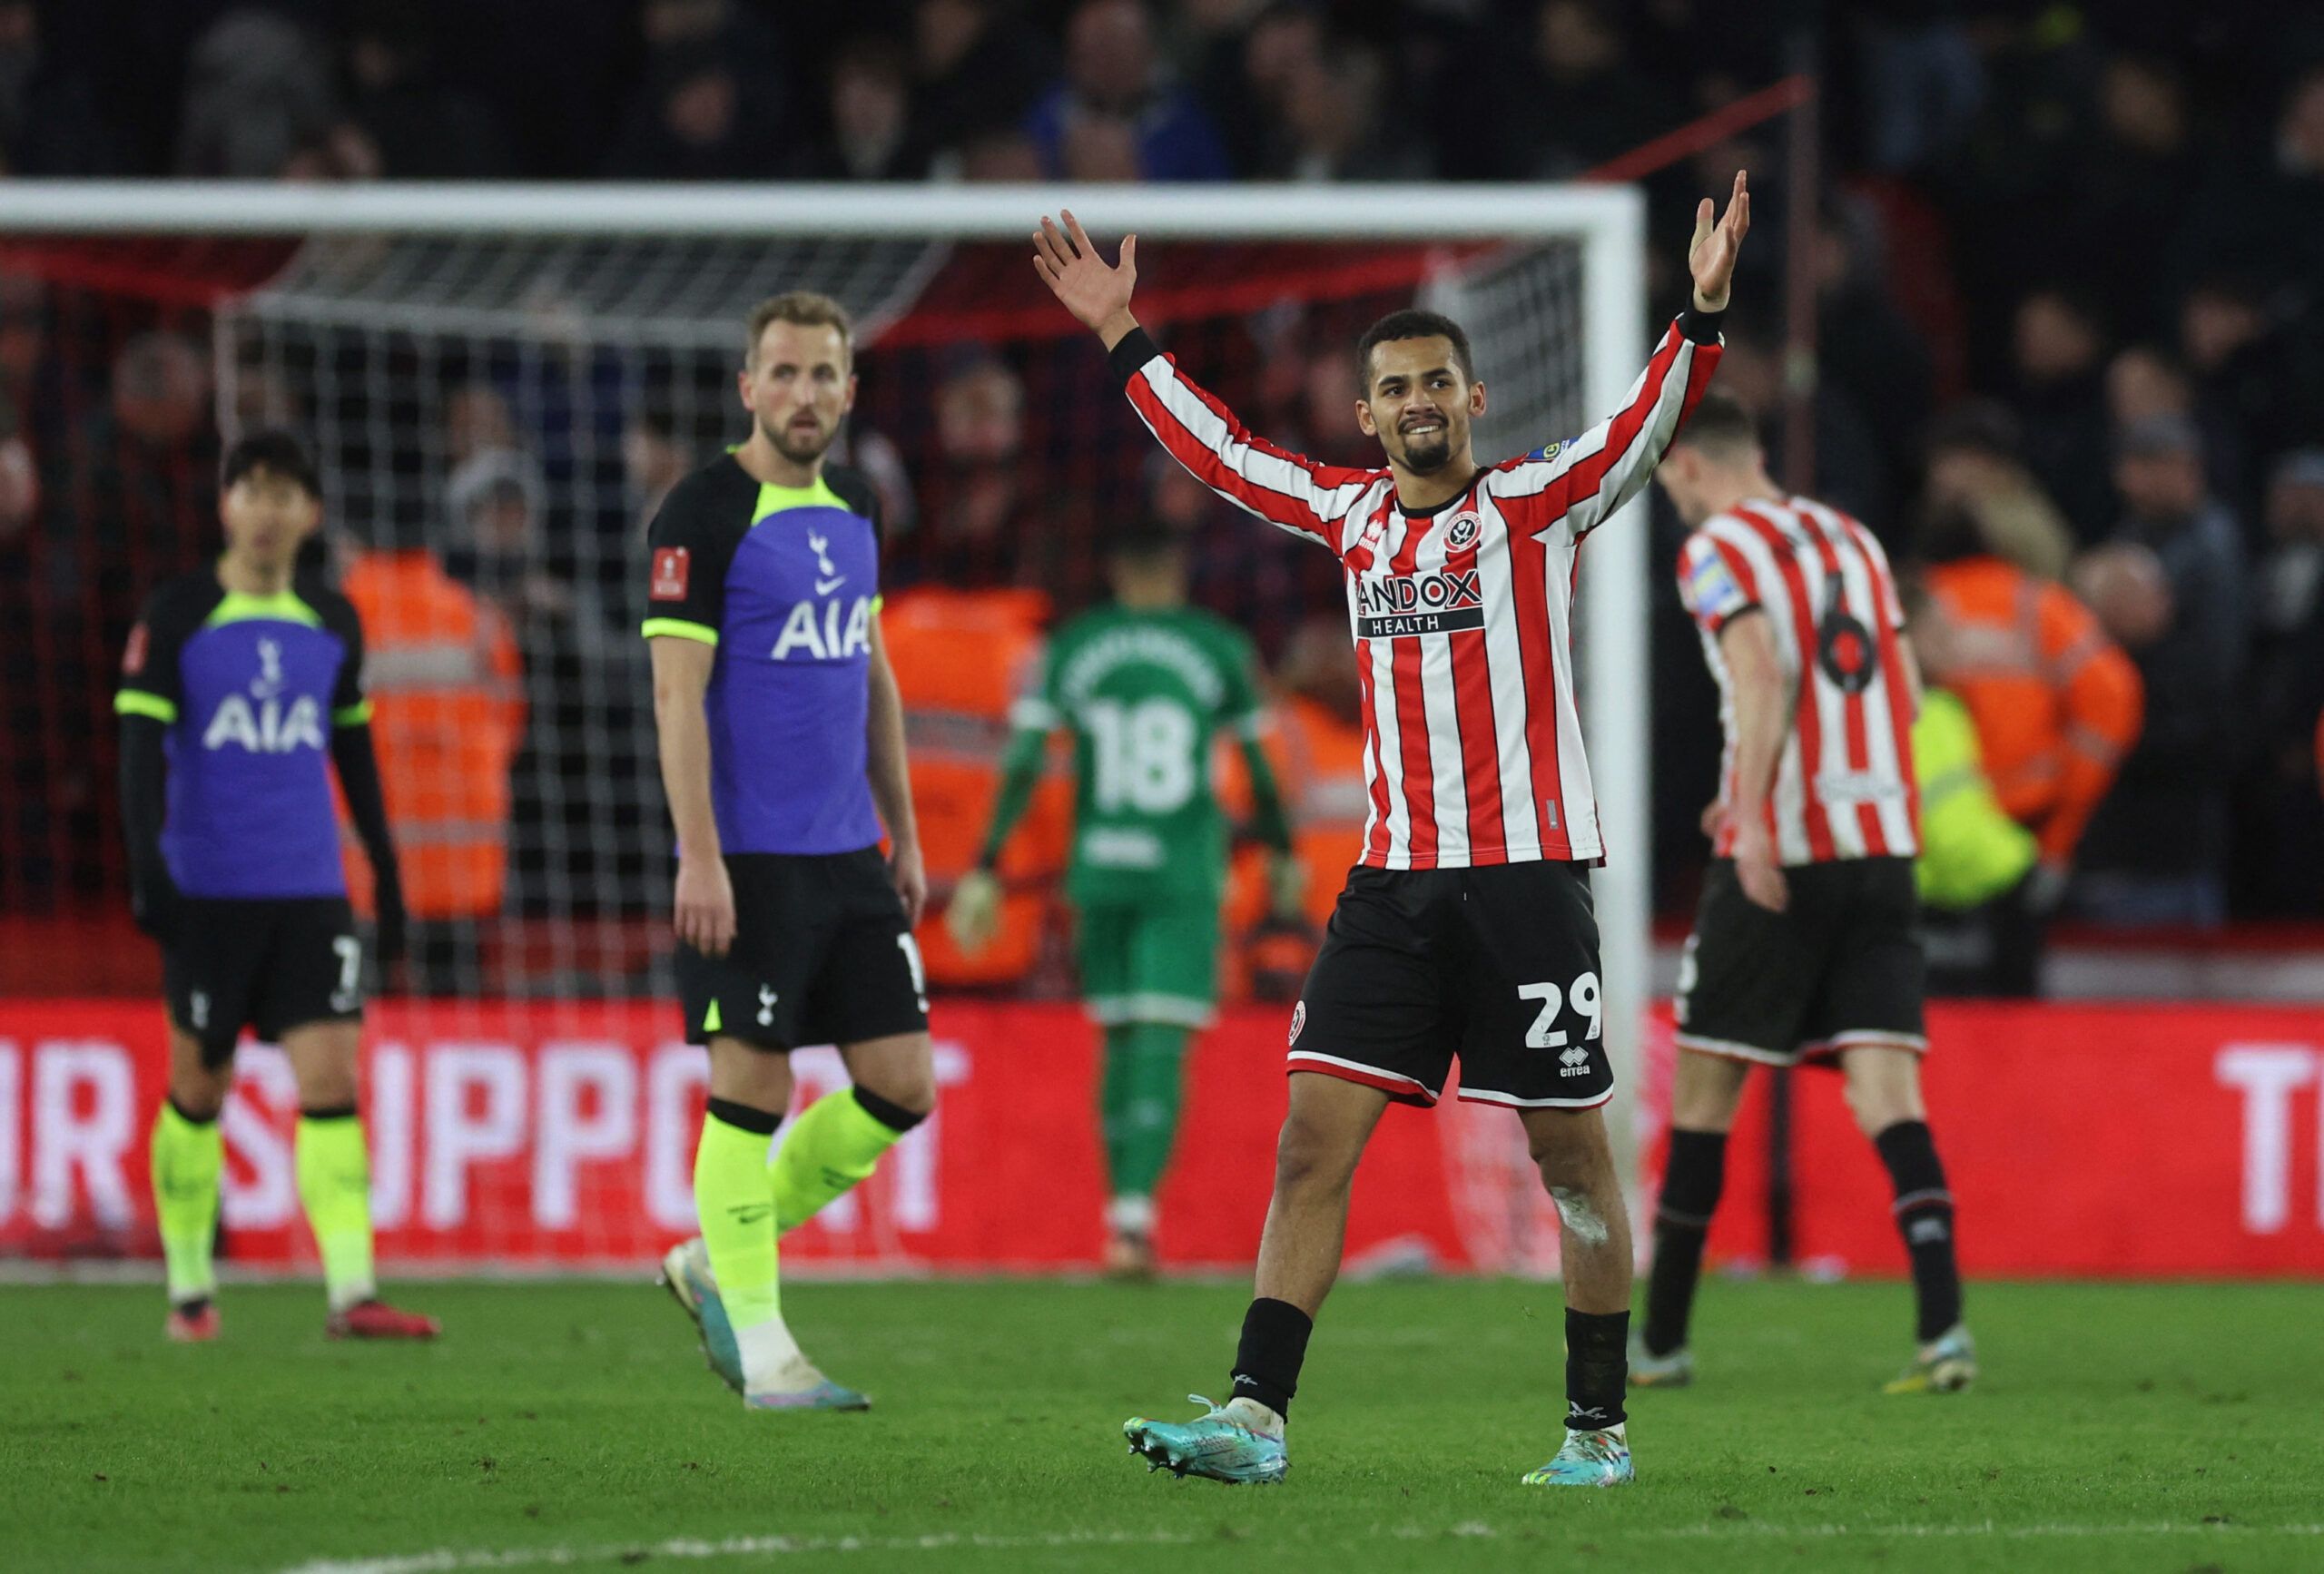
199 1096
742 1074
326 1087
915 1096
1705 1090
900 1070
323 1061
1875 1111
198 1082
1884 1087
1315 1152
1568 1145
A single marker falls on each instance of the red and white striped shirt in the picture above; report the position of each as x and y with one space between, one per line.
1462 615
1844 786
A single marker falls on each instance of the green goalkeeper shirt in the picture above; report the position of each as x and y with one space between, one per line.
1145 694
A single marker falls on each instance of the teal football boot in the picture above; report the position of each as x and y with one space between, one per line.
1215 1445
1589 1459
685 1274
814 1392
1946 1365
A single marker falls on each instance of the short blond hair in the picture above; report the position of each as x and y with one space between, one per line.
807 308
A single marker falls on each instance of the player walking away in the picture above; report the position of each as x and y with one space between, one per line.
238 681
1144 684
1467 927
1805 945
782 754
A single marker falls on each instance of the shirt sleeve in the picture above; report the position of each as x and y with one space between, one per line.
1714 583
150 682
685 588
350 705
1287 490
1583 481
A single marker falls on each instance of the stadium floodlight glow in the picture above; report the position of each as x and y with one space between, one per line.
390 294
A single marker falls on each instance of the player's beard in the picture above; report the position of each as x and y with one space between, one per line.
790 444
1428 455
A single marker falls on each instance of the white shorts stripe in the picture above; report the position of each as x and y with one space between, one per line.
1398 1077
1508 1101
1727 1049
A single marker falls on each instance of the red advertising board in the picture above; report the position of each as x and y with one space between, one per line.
2080 1140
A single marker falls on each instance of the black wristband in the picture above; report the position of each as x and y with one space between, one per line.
1701 326
1135 350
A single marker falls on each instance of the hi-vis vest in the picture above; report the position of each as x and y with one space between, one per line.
2056 705
1318 760
960 660
448 716
1324 793
1971 850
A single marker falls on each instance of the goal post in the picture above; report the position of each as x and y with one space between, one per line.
589 298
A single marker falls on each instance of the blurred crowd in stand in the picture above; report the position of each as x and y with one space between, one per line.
2065 265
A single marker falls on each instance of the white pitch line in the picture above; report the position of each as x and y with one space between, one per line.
452 1561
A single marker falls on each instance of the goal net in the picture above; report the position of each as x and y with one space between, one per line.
501 388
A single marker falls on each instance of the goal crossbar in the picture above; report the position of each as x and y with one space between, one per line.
980 213
1605 222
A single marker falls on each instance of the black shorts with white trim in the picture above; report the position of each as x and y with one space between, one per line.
1840 968
823 954
1498 963
272 964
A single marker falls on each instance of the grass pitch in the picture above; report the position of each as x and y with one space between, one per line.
2174 1429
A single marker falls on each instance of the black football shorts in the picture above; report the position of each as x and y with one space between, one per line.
268 963
821 954
1496 965
1840 968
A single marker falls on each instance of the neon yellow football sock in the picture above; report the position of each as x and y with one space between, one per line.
335 1188
829 1149
734 1198
189 1156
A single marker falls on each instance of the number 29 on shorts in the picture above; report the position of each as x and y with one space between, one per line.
1583 992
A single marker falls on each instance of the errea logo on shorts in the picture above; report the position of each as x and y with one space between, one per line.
1574 1062
1298 1020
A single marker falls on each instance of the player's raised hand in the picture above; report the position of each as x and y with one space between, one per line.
1711 256
704 907
1095 294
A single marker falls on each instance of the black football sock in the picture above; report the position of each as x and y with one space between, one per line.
1923 1210
1597 1368
1691 1183
1274 1347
